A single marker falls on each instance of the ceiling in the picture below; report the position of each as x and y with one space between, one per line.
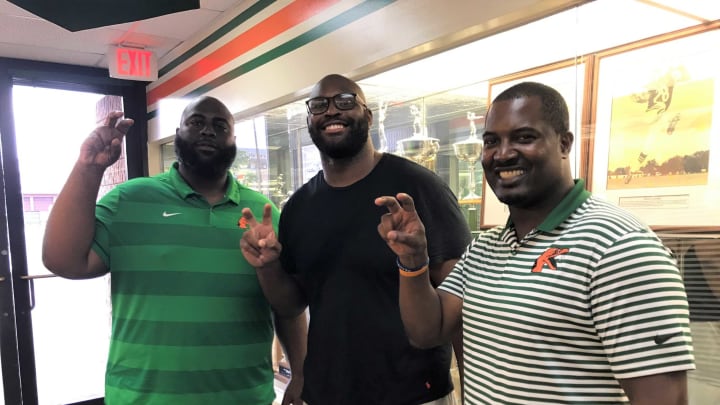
24 35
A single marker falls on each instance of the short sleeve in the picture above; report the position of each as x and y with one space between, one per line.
105 211
640 308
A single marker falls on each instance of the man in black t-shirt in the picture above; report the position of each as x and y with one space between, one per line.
330 257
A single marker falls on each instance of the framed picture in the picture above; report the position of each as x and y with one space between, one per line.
657 131
568 79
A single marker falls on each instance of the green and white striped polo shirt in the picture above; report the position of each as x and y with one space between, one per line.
588 297
190 322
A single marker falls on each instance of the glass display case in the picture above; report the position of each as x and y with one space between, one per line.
697 251
422 110
620 87
276 155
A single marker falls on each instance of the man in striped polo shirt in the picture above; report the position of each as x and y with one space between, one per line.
190 322
573 301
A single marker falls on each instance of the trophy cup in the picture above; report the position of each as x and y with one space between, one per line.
469 151
419 147
382 138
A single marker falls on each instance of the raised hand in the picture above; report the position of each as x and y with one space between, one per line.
102 148
402 229
259 243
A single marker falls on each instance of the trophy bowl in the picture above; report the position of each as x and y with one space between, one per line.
468 151
421 150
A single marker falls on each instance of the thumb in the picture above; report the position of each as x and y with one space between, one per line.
124 125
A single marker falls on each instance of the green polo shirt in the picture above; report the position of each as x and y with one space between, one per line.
589 297
190 324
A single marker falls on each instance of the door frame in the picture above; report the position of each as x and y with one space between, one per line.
16 296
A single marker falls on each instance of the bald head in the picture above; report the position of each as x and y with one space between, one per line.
207 103
340 83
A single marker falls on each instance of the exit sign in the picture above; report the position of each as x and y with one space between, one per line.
132 63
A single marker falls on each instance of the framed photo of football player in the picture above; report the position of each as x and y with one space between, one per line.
656 126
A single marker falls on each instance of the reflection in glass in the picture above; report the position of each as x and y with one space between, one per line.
698 257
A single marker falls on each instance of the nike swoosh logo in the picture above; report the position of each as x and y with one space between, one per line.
170 214
660 339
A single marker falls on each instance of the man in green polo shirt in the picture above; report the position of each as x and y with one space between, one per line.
190 323
573 301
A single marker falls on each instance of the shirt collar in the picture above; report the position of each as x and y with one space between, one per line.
185 191
562 211
567 206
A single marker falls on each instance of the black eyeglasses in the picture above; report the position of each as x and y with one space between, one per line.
342 101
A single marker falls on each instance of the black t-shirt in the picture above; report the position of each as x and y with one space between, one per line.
358 352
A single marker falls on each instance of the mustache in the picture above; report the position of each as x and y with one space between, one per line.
205 142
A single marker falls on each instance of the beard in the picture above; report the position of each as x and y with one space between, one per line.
348 147
210 167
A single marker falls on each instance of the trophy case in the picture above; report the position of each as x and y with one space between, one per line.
440 132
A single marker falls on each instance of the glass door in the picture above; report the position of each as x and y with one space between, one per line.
9 372
54 333
70 319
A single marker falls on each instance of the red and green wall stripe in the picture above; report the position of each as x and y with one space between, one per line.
286 18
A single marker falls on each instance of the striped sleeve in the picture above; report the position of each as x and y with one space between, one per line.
639 307
454 283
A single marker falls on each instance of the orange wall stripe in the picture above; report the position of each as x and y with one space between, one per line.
293 14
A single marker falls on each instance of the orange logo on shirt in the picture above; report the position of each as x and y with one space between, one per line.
548 258
242 223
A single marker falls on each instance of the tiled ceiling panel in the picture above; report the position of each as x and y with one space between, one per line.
23 35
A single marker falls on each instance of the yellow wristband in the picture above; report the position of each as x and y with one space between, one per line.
415 273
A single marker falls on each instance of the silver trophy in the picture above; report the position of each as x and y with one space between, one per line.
382 114
469 151
419 147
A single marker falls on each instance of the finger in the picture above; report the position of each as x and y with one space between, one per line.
386 222
112 118
269 243
248 240
124 125
250 244
115 149
104 137
388 202
249 217
245 244
407 202
267 215
410 240
249 250
384 231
